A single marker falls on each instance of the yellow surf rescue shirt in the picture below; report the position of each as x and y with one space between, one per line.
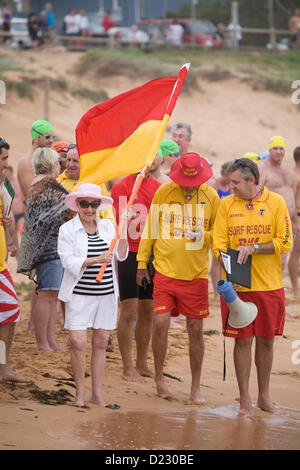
269 220
3 250
172 214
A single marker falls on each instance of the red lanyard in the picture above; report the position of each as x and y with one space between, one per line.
249 205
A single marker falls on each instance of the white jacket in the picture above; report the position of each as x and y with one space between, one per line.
72 249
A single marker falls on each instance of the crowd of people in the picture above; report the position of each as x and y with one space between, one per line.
41 28
162 264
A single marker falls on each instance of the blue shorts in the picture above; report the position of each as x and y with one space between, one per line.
49 275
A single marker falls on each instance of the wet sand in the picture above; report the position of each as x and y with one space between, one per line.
41 415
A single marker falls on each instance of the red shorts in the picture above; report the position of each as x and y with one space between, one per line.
190 298
269 321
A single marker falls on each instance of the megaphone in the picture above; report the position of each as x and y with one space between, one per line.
241 313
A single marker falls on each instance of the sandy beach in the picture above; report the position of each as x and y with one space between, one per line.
228 119
40 415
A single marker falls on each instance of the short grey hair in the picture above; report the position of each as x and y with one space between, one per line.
44 160
183 125
247 168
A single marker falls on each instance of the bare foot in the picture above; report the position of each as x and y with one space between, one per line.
245 407
145 371
9 375
197 398
97 401
131 375
56 347
266 404
40 349
162 389
79 402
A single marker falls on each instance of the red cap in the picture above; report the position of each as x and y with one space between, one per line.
190 170
60 147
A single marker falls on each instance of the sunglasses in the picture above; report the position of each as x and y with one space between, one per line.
85 204
2 142
72 146
244 164
63 150
47 136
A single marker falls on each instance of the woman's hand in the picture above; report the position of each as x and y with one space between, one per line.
128 216
106 257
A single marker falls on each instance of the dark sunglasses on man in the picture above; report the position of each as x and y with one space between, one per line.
47 136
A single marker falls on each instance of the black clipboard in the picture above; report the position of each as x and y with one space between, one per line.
237 273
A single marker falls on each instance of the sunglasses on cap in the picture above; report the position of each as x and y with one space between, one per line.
3 142
243 164
85 204
47 136
72 146
63 150
175 154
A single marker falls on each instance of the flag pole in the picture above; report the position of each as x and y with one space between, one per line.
139 179
170 106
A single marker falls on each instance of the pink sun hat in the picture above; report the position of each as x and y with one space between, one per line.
88 190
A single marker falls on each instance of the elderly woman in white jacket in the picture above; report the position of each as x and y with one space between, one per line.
83 244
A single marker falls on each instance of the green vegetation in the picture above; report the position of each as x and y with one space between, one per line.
270 70
8 64
92 95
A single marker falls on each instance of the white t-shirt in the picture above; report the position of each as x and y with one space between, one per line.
83 22
72 26
175 33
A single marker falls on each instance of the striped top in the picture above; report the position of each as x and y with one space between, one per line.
88 285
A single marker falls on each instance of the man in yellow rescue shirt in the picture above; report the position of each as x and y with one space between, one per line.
179 230
255 221
70 176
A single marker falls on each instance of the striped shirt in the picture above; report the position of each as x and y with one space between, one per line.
88 285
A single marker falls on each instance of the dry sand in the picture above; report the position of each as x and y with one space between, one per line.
228 119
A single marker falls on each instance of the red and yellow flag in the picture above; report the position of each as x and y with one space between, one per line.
120 136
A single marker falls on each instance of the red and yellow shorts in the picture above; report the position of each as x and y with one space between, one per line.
269 321
190 298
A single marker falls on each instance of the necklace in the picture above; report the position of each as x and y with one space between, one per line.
189 196
249 205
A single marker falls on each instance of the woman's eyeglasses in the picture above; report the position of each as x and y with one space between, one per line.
85 204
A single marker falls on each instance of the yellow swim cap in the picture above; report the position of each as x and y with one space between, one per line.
277 141
252 156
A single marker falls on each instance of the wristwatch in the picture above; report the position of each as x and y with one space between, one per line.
256 247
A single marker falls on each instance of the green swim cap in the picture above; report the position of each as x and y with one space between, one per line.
40 127
167 147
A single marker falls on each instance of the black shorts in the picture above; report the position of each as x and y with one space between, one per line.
127 280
